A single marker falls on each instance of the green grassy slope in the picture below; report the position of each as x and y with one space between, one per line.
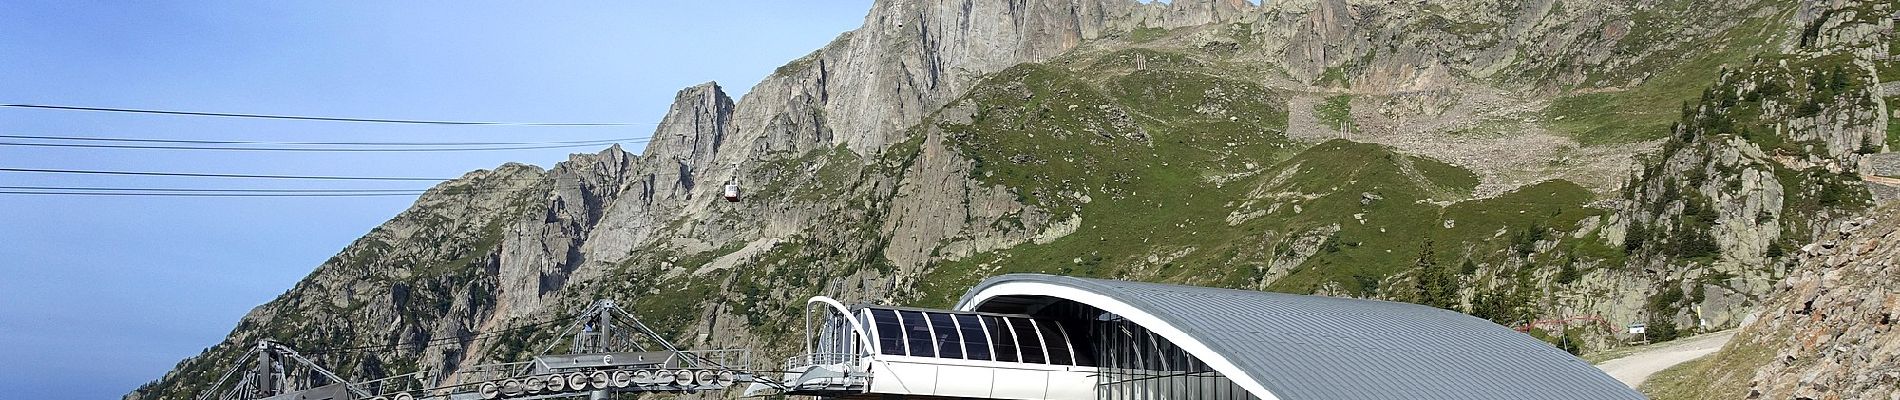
1639 102
1184 177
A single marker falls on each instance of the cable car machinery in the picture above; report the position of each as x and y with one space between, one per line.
603 358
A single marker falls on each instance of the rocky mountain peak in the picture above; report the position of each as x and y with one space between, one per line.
913 56
694 129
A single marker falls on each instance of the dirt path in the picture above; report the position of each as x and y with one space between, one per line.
1881 179
1635 368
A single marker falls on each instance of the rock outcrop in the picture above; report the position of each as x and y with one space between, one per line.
1758 166
911 57
1827 331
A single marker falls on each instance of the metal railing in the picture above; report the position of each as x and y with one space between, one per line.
803 360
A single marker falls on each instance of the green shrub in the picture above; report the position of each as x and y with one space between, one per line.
1568 273
1335 112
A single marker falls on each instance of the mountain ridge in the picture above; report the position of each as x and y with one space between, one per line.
940 144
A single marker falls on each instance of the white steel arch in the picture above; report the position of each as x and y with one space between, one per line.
857 329
1154 323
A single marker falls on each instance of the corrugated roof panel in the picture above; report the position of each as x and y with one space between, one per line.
1321 348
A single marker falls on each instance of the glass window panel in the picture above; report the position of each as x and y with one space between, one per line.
1079 345
833 338
944 328
976 345
1162 359
890 334
1001 338
917 334
1054 342
1131 358
1027 340
864 321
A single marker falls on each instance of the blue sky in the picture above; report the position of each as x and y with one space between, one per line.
99 295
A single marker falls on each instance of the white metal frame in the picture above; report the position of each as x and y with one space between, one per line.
1218 362
936 375
857 329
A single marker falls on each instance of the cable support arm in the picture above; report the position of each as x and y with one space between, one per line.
287 351
228 373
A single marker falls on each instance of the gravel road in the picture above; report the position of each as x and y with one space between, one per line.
1637 367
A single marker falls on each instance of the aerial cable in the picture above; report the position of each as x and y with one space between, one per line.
126 194
310 118
729 118
241 190
252 190
209 175
304 149
236 192
246 142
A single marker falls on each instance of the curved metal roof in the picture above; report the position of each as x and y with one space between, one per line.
1315 347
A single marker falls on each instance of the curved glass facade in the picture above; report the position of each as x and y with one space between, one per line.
1137 364
972 336
1133 363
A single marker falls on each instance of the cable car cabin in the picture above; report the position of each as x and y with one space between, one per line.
730 192
870 351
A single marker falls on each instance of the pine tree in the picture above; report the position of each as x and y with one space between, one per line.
1437 284
1519 305
1486 306
1568 273
1569 342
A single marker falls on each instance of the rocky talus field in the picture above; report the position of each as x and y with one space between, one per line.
1827 333
1563 166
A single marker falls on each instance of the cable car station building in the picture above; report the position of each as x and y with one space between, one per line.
1032 337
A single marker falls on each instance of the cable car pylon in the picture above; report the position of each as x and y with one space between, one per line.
280 373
